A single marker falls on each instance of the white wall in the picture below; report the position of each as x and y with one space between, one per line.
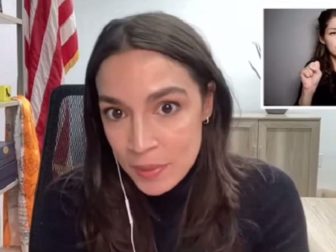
229 28
229 31
8 57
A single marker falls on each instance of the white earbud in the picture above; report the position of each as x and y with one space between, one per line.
128 208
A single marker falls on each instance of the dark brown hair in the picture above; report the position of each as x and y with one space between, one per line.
321 51
209 220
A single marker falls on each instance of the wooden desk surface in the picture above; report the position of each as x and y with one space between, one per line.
321 223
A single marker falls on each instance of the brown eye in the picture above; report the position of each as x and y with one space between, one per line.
168 108
114 114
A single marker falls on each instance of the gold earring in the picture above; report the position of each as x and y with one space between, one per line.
206 121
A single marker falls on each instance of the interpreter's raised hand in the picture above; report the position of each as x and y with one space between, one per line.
310 76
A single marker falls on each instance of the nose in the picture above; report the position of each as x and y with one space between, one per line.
141 136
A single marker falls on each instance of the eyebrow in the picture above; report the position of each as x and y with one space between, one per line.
152 97
166 91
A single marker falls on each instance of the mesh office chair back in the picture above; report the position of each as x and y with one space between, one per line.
64 146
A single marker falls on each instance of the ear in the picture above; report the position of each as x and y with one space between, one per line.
321 40
208 102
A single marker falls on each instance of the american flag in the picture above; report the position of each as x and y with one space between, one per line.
51 49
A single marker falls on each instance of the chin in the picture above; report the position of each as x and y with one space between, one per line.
155 189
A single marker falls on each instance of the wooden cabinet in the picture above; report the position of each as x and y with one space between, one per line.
244 137
290 142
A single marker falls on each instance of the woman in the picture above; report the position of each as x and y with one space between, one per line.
318 78
157 175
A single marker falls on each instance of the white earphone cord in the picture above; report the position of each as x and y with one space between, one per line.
128 208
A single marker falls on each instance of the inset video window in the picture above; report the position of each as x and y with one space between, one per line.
299 57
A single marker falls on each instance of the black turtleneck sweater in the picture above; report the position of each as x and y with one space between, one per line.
167 210
325 93
271 217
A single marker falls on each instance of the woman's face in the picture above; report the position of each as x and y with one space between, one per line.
329 38
152 113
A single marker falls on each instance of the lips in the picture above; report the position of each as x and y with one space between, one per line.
150 171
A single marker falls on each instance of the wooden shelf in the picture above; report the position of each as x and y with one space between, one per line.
8 187
287 116
8 19
11 103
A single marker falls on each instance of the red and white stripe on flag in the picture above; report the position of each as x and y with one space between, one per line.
51 49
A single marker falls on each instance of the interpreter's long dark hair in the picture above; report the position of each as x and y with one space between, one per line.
209 220
321 52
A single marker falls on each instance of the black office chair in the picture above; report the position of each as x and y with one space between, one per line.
64 146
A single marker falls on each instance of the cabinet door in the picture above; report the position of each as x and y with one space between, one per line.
243 138
292 146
